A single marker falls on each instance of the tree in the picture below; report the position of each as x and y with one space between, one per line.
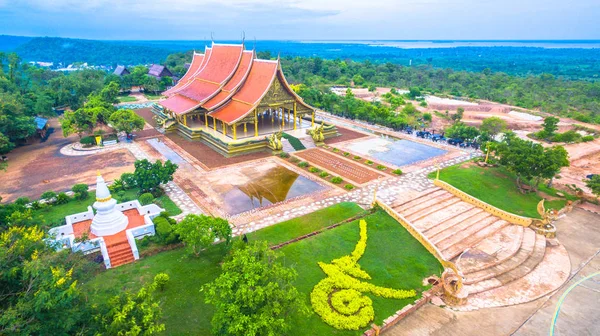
462 131
148 176
133 314
414 92
80 121
38 292
530 161
254 295
5 144
594 184
457 117
493 126
81 191
199 232
550 126
127 121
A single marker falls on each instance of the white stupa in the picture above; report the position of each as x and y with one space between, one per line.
108 219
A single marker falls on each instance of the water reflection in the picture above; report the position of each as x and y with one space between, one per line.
253 188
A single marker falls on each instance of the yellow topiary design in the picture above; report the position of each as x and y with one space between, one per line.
339 298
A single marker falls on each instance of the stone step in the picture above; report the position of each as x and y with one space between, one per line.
454 250
403 204
463 230
534 259
287 146
440 205
522 254
515 274
451 212
122 261
308 142
425 203
492 250
473 214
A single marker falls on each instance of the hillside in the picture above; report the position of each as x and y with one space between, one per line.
54 49
10 43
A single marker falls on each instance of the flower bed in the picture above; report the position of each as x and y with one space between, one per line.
367 162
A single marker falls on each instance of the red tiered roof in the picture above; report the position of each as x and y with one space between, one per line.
226 80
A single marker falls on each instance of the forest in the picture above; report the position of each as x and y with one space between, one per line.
523 61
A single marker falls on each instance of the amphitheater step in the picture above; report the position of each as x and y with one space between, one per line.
528 265
471 239
534 259
449 217
403 204
440 205
512 262
492 250
450 226
425 203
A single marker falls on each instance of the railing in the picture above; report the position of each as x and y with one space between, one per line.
132 244
423 240
507 216
104 252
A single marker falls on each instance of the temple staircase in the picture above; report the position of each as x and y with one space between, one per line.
495 257
308 142
287 146
120 253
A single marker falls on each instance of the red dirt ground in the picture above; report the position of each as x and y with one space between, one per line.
333 163
147 114
347 134
40 167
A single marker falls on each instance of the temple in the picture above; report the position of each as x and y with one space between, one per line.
228 95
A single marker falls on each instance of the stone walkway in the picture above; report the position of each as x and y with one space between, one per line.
175 193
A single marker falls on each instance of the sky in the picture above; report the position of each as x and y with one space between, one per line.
303 19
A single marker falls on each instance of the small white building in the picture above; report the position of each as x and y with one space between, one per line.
112 230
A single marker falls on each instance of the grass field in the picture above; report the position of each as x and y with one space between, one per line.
126 99
152 97
393 258
55 215
497 186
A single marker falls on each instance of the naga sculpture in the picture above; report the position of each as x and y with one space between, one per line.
544 225
317 134
275 141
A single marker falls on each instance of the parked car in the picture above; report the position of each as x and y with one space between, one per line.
437 137
455 141
408 130
590 176
423 134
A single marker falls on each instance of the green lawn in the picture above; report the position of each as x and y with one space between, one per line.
55 215
497 186
152 97
126 99
393 258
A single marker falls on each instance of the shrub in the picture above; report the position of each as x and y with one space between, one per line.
164 231
22 201
349 186
346 154
356 157
36 205
146 198
161 280
587 138
284 155
48 195
324 174
336 180
369 162
397 171
128 180
295 160
335 149
303 164
314 169
87 141
62 198
380 167
81 191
